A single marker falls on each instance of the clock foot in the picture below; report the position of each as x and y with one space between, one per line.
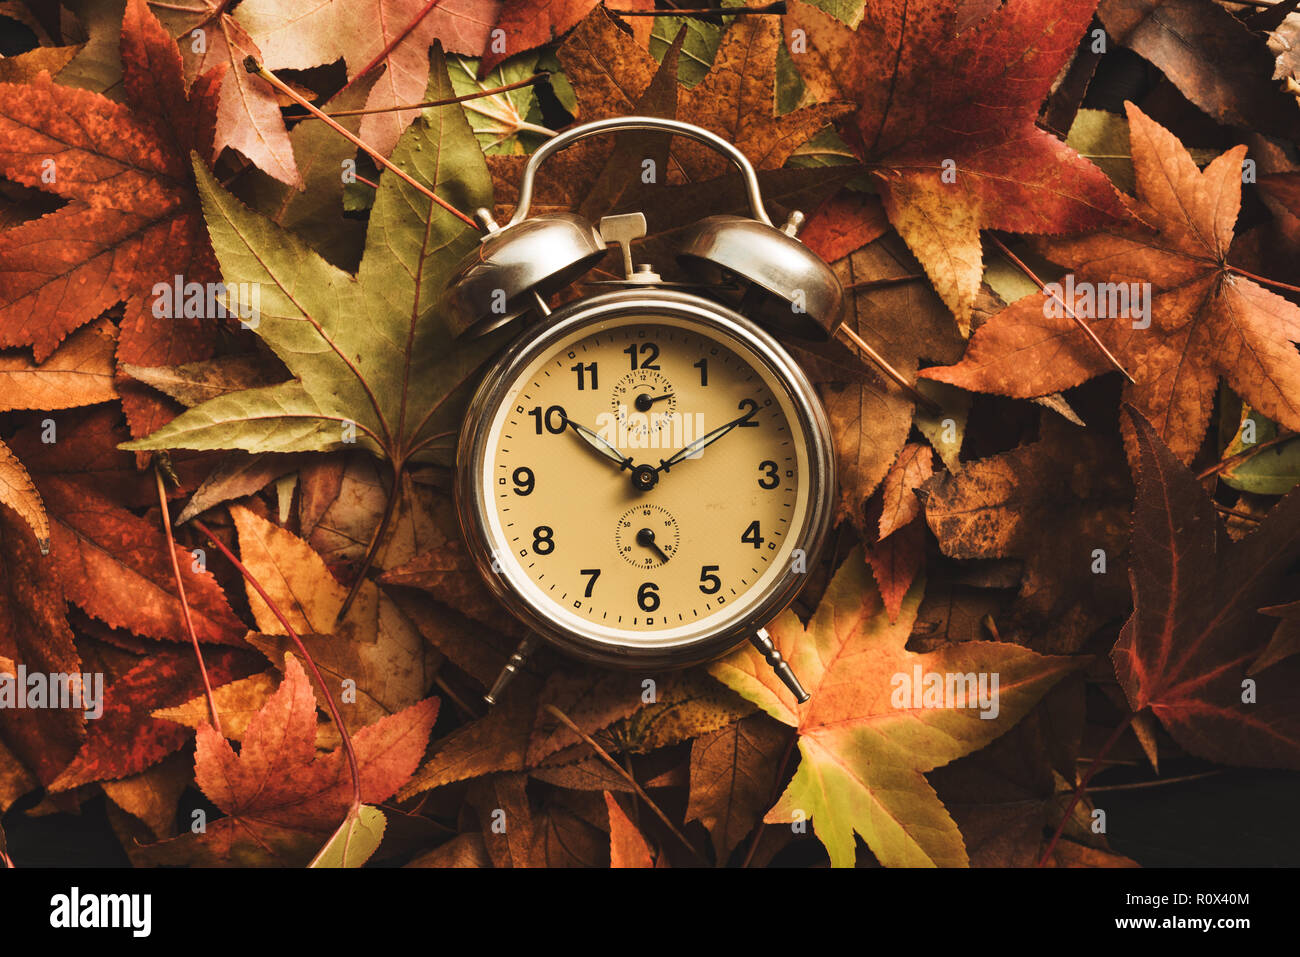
513 664
763 642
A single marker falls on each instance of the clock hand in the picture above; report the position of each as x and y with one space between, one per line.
643 401
646 537
704 441
599 444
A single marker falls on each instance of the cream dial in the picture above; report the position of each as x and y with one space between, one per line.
645 535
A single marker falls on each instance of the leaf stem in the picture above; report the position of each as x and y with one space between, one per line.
1268 282
1244 455
1093 766
390 506
185 605
882 363
333 708
1069 310
251 64
622 772
530 81
775 793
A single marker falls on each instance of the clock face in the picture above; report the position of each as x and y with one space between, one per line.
644 479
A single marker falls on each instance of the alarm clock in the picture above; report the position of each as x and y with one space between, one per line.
645 476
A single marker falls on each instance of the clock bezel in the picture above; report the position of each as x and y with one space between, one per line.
647 302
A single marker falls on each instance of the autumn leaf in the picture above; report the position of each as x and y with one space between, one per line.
864 745
526 24
248 114
392 36
956 151
1196 629
1214 59
389 383
126 739
732 777
1059 505
34 631
278 793
1206 319
627 848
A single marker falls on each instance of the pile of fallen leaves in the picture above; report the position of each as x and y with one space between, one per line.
263 509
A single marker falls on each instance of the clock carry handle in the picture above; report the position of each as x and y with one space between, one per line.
622 124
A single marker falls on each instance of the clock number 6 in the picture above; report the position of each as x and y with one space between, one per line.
543 543
647 596
709 582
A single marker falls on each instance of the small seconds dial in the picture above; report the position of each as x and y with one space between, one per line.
656 531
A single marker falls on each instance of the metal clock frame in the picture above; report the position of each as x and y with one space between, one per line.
646 301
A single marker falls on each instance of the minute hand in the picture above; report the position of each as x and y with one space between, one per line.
703 441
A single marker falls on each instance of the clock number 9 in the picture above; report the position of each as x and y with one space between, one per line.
524 481
647 596
543 543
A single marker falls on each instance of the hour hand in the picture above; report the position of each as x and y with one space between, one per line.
599 444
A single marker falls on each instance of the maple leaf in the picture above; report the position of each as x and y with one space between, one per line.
301 34
1206 319
1053 504
371 353
1195 628
862 756
125 739
248 114
107 560
374 652
131 220
736 100
918 117
526 24
277 792
80 372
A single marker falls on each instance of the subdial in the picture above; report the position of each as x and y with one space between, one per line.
643 402
647 536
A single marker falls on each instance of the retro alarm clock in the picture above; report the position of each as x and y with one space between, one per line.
645 475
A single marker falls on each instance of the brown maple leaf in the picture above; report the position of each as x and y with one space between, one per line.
1205 320
1196 629
132 218
945 122
526 24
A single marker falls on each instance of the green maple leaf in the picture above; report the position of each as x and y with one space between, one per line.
372 355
